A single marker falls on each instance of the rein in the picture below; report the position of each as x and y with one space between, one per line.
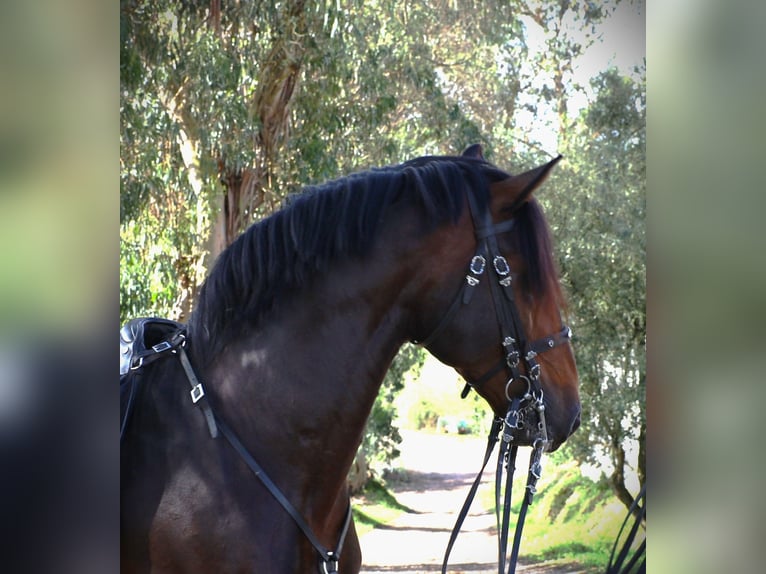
175 345
526 414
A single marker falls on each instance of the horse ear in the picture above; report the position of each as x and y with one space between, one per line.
474 151
511 193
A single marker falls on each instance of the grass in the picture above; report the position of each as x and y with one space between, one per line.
571 519
375 507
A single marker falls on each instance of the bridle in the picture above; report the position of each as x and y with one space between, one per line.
525 416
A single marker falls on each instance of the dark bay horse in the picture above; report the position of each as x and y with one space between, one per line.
292 334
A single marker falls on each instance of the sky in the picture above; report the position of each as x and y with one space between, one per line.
622 44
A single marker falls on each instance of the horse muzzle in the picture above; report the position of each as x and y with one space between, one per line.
555 439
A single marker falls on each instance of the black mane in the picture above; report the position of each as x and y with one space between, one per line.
338 219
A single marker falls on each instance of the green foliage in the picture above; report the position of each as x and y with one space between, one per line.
571 519
432 402
381 436
375 507
598 214
375 492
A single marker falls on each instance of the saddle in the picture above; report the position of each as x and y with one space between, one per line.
145 339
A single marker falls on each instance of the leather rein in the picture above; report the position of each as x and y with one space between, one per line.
526 414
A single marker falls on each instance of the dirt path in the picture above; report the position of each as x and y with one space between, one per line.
438 470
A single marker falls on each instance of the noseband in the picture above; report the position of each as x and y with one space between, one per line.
525 416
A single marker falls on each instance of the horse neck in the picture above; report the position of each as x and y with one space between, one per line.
299 387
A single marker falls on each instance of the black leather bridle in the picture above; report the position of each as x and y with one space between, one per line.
525 416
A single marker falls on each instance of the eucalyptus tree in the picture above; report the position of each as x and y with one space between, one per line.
204 90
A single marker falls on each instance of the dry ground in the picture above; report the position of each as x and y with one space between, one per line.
437 471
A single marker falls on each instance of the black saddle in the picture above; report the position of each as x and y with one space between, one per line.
147 338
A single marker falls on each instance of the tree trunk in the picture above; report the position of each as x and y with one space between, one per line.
246 188
617 479
359 473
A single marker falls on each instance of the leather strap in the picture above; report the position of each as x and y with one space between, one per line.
329 558
532 477
509 460
551 342
142 358
539 346
175 345
447 319
492 439
615 565
198 393
134 356
506 460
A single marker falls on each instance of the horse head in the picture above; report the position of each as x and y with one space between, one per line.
491 303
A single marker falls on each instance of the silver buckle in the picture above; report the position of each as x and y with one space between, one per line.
197 393
163 346
477 264
501 265
330 566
